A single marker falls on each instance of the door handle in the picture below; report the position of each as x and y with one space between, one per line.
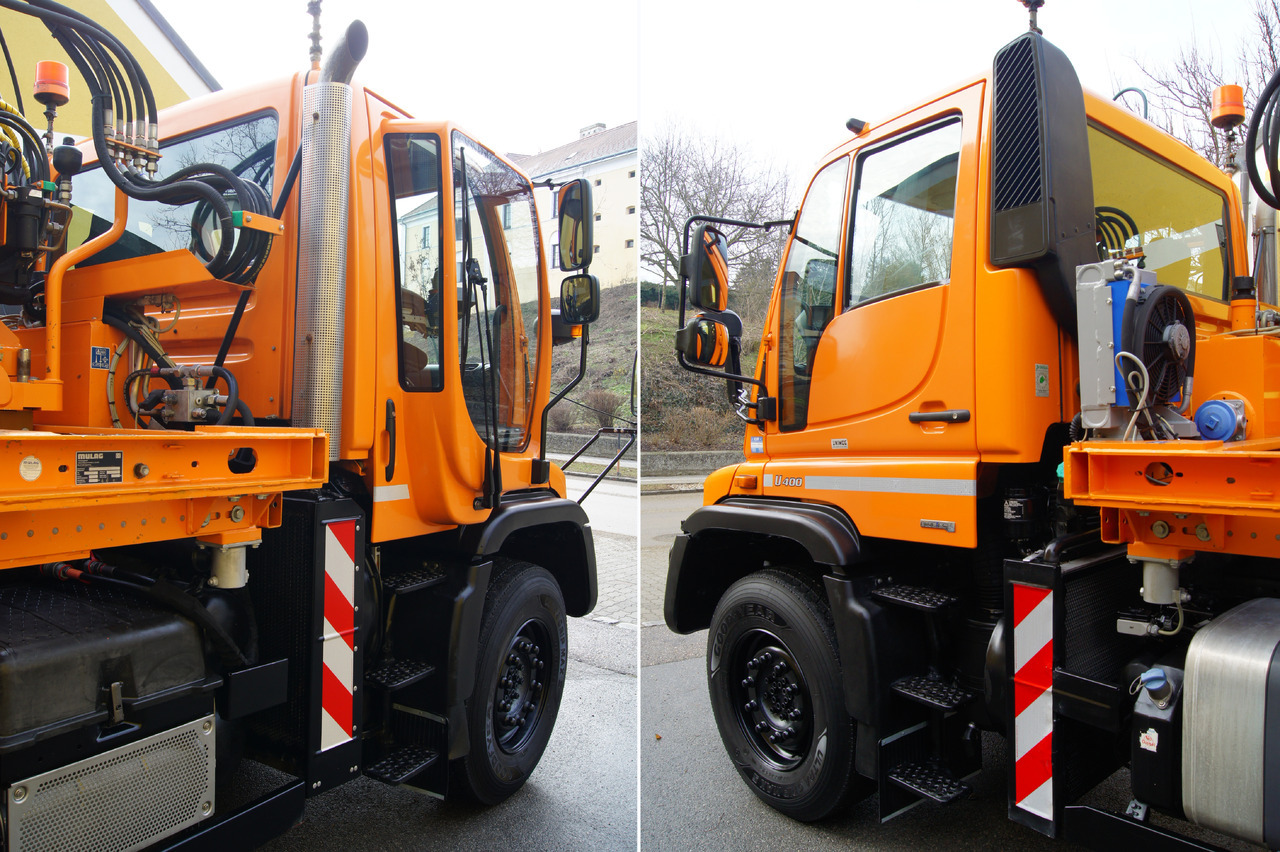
953 415
391 430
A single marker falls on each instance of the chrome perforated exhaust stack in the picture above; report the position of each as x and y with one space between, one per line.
324 188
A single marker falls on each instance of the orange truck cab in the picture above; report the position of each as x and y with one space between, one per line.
276 366
1010 465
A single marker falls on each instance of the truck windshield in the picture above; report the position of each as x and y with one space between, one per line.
1177 221
498 319
247 147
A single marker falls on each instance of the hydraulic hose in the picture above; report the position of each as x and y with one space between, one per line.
1264 120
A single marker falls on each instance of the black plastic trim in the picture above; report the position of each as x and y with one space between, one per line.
536 510
249 827
824 531
1103 830
954 415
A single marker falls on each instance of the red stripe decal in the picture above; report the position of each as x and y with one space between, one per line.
1025 599
1034 769
1033 679
335 697
339 612
345 534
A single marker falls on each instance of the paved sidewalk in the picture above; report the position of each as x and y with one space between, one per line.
616 570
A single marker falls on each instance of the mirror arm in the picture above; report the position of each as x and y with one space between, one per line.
719 374
718 220
582 371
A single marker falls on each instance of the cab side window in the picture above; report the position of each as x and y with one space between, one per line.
809 289
413 167
904 214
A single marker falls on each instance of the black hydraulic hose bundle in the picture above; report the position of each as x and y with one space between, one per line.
1265 121
121 96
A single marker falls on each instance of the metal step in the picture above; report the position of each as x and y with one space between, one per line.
401 765
415 579
397 674
931 782
932 692
914 597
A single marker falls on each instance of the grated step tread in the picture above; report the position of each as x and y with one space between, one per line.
401 765
397 674
931 782
914 597
415 579
932 692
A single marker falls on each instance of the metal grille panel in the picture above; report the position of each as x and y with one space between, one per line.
1016 177
122 800
324 186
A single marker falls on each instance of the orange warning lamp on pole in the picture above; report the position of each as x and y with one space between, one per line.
53 89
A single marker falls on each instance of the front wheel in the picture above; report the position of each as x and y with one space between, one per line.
774 678
519 682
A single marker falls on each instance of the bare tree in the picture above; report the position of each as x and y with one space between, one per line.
1183 91
684 174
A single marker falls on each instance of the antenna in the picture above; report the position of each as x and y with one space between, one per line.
313 9
1032 7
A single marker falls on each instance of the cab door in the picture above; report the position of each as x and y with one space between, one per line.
460 289
873 362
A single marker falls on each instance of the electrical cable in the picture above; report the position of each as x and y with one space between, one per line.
13 75
1142 400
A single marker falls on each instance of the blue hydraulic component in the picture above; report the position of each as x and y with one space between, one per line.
1221 420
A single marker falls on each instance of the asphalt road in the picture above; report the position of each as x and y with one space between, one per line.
583 794
691 797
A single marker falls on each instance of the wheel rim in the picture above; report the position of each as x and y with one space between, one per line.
520 696
770 699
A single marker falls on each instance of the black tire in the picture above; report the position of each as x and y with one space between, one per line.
774 677
523 631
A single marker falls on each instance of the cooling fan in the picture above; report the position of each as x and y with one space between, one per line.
1160 330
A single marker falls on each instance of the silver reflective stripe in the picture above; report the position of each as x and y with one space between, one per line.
894 485
389 493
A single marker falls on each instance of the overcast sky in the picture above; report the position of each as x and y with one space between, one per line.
522 77
781 78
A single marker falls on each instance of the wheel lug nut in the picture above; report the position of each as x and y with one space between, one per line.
748 681
794 714
751 705
761 726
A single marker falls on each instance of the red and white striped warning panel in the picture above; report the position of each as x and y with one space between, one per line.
1033 699
337 692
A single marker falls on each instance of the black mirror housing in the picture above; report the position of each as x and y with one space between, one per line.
706 266
561 331
580 299
576 230
704 341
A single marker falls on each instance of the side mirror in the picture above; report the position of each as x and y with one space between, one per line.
707 268
580 299
577 214
704 341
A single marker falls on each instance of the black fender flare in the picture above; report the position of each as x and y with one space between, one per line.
726 541
543 528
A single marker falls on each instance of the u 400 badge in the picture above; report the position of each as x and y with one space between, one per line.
788 481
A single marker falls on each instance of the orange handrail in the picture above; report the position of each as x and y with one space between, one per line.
53 286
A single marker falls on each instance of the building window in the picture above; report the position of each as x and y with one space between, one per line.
426 237
597 217
597 181
631 173
506 217
631 210
555 254
595 249
631 243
